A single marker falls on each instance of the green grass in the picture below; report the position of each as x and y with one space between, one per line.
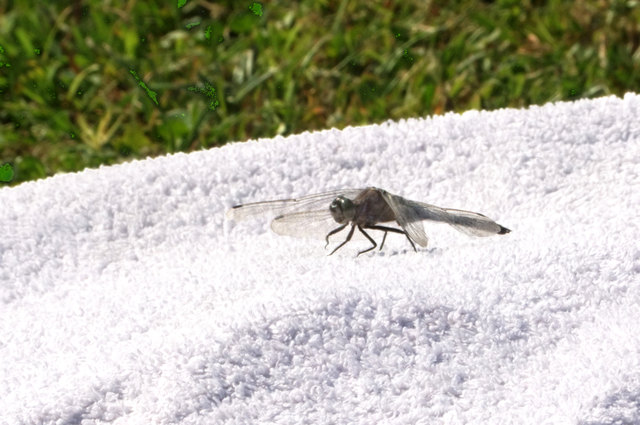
85 83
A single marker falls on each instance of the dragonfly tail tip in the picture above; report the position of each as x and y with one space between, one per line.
503 230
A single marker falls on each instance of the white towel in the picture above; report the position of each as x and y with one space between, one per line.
127 298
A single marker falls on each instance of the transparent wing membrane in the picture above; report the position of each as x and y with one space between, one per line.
309 224
279 207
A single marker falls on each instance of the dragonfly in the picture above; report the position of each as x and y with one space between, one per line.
363 209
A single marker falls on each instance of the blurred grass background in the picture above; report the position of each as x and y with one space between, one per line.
90 82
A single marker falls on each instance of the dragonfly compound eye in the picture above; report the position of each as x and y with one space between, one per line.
342 209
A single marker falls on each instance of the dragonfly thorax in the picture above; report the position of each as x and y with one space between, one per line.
342 210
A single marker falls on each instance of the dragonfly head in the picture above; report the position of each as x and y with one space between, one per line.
342 209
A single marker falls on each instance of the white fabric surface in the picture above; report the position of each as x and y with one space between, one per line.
127 298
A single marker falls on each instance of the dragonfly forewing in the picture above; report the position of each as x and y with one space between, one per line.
286 206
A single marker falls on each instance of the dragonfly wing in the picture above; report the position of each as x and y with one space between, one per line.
305 224
407 217
285 206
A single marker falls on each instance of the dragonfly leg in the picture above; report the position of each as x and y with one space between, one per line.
353 227
411 242
386 229
334 231
370 239
383 239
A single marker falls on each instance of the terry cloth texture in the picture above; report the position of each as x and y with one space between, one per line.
126 297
